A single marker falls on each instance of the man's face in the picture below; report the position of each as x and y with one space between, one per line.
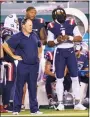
28 26
31 14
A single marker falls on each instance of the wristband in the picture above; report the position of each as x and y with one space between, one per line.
55 41
71 38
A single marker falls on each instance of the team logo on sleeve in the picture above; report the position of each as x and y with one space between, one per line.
72 21
41 20
51 25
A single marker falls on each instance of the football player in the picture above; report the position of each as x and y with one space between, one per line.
63 33
38 23
38 26
50 77
83 67
11 27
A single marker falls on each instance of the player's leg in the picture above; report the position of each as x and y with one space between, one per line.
2 73
12 92
48 88
7 92
9 85
67 83
59 70
73 69
83 87
2 110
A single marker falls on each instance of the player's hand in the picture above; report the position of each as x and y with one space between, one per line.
62 38
59 39
65 37
16 57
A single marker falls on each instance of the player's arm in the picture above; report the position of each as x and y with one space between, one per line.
1 49
76 38
47 69
40 51
1 53
5 37
77 35
51 41
43 35
9 51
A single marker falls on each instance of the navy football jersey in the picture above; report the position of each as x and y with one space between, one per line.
83 62
57 29
37 25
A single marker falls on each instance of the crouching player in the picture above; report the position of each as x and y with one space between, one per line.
11 27
51 80
83 67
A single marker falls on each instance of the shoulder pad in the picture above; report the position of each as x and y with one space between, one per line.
71 21
49 56
51 25
41 20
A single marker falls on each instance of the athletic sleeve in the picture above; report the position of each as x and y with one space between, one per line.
50 36
48 56
76 31
42 23
50 28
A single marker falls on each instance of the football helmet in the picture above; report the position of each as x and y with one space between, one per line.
59 14
68 99
11 22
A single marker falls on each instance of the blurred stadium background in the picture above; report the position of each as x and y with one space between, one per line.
44 8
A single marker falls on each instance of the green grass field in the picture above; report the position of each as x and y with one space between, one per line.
51 112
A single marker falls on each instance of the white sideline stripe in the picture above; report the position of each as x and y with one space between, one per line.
61 114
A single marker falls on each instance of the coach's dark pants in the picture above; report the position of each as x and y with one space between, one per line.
63 58
29 74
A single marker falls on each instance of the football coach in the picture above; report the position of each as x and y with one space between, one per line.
25 44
